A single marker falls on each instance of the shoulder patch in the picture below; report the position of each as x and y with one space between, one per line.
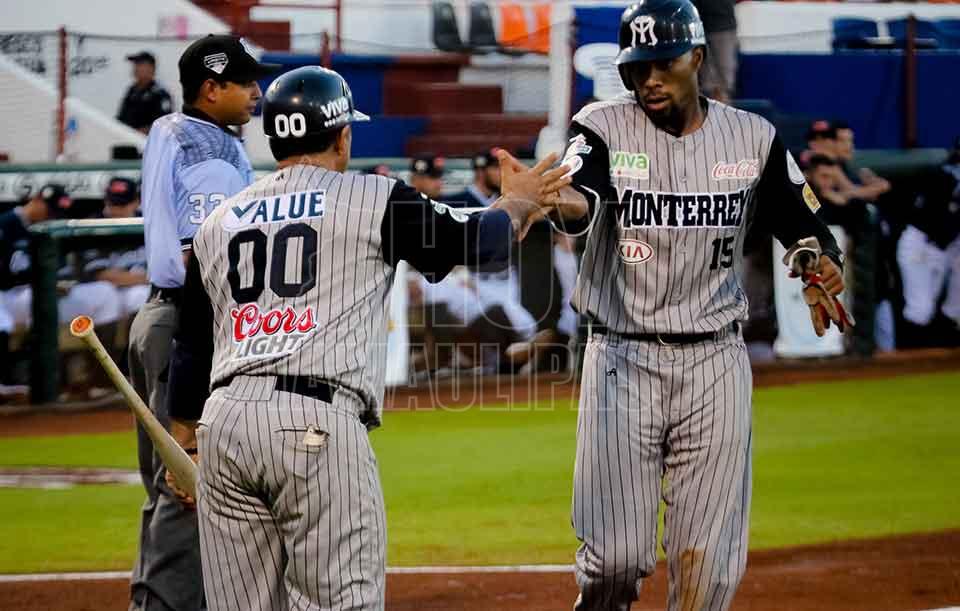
810 198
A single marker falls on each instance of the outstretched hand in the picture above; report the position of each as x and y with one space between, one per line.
517 180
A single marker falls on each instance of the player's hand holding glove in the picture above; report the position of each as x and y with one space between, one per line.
822 282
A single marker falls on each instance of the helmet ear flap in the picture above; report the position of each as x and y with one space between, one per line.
625 76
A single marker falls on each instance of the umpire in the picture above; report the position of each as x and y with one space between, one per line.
192 162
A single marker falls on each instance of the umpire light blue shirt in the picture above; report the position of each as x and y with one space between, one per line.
190 166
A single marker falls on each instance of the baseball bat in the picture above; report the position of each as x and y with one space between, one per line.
172 455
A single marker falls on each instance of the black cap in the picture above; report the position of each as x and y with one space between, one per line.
121 191
142 57
223 58
428 165
56 198
821 128
485 159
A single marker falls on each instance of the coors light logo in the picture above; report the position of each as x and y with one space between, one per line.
272 333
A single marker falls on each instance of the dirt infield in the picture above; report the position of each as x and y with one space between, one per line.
894 574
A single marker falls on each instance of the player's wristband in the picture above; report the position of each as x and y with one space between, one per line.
190 451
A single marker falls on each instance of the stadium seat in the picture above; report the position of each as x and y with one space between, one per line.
482 37
927 33
948 33
513 26
540 37
849 32
446 33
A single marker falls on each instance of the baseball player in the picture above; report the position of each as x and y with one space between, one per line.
674 181
126 270
928 252
287 294
15 296
192 162
485 187
426 175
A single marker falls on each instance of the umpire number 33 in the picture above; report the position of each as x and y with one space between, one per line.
201 202
722 253
299 237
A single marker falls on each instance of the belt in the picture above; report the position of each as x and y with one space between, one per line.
308 386
166 295
669 339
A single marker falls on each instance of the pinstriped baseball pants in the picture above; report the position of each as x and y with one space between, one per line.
670 422
286 524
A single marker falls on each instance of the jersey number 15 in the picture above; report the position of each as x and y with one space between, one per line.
284 241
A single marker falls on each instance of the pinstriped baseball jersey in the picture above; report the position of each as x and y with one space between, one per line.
307 288
292 275
665 251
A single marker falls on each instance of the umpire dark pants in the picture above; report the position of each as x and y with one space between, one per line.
167 573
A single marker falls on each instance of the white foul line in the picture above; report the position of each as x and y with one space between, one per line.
393 570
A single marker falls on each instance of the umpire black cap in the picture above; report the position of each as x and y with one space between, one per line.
223 58
308 101
658 29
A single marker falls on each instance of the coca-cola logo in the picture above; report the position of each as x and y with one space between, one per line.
634 251
249 321
745 168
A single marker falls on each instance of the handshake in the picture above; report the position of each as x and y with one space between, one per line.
532 194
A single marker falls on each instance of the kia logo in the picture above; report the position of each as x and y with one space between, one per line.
634 251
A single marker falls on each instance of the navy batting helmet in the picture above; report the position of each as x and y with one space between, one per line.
658 29
308 101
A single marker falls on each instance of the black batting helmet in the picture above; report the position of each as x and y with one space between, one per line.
658 29
308 101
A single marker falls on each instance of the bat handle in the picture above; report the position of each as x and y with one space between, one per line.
170 452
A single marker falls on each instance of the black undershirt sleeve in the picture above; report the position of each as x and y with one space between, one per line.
589 159
787 209
434 238
191 357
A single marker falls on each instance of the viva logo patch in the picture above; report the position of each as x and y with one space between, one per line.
624 164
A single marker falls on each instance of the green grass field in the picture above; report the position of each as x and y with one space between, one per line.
492 486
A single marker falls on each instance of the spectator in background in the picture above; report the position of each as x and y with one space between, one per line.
145 100
125 270
426 175
98 300
719 71
868 186
486 183
821 140
380 169
13 234
826 179
835 140
928 252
